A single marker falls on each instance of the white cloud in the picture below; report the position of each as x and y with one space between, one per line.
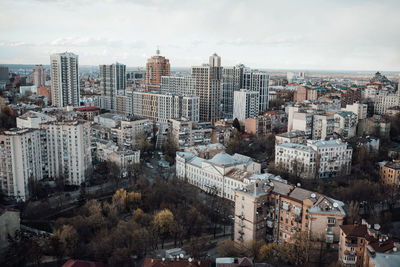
341 34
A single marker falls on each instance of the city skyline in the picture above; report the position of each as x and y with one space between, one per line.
263 34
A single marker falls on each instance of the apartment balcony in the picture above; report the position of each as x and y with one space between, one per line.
349 259
329 238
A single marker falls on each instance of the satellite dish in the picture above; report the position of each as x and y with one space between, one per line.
190 259
163 259
181 255
313 195
335 205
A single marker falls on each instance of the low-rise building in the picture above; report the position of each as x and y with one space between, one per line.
206 151
321 159
376 126
219 175
360 109
346 124
185 133
359 244
87 113
33 119
295 136
274 210
390 172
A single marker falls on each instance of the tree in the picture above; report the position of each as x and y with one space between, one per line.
395 127
354 211
169 149
119 199
226 248
69 238
82 196
267 253
236 124
163 223
7 118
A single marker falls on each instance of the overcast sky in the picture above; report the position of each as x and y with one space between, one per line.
329 35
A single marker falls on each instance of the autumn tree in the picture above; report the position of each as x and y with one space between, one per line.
354 212
169 149
226 248
163 223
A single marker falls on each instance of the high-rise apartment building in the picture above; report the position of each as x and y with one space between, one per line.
68 150
156 67
64 79
208 88
178 85
112 83
20 160
39 76
245 105
231 82
257 81
162 107
4 73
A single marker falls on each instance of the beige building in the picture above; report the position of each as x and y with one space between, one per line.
363 246
274 210
186 134
39 76
390 173
127 131
208 88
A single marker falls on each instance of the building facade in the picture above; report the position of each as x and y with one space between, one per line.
316 159
178 85
390 173
231 82
64 79
112 83
259 82
21 160
245 104
273 210
156 67
208 89
39 76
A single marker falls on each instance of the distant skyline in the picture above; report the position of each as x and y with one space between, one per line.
308 34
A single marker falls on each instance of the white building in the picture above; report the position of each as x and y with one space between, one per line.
323 126
359 109
127 131
346 124
386 99
220 175
320 159
68 150
28 89
109 120
108 151
185 133
178 85
33 119
245 104
21 159
64 79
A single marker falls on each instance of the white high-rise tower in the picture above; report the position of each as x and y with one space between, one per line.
64 79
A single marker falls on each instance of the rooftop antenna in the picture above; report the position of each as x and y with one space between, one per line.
158 50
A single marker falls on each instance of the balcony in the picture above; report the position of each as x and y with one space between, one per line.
349 259
349 244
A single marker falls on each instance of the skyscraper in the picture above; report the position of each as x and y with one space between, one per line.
179 85
156 67
208 87
112 83
4 73
257 81
231 82
39 76
64 79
